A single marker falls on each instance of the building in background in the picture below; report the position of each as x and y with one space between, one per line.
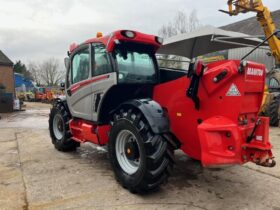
7 88
6 74
251 26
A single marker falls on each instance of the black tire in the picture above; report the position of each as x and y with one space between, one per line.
274 111
155 151
63 143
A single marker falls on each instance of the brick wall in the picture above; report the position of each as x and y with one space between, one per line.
7 78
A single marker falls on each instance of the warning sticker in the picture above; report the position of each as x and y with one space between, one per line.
233 91
259 138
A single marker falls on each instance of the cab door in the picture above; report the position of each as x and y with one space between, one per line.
89 78
79 90
103 75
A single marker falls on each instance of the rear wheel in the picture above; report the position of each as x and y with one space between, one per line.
274 111
141 160
59 129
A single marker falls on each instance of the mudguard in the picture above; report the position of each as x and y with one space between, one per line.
153 113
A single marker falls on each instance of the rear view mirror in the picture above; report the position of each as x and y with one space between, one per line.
67 63
62 86
196 68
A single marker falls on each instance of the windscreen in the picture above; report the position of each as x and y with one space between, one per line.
135 62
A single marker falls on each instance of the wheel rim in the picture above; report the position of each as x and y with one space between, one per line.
58 128
127 152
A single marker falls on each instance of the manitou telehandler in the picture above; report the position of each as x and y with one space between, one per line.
271 102
116 95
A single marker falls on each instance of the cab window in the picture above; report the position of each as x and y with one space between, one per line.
80 66
101 63
135 62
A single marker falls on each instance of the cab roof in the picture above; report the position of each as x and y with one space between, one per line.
110 40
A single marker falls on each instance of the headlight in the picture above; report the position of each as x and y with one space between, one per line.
128 34
159 40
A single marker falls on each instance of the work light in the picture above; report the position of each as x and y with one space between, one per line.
128 34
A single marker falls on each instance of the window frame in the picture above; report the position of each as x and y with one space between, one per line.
92 57
77 51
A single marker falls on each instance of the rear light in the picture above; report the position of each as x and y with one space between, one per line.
159 40
128 34
242 119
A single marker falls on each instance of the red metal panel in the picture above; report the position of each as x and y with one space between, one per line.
84 131
220 141
204 132
109 40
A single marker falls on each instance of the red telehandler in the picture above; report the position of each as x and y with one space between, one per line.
116 95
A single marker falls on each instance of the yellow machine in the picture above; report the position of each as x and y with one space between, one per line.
271 102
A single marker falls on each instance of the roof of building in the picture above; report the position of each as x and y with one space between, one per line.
4 60
251 26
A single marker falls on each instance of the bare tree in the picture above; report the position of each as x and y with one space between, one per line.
193 21
50 73
167 30
33 68
181 23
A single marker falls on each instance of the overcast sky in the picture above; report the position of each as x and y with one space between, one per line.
34 30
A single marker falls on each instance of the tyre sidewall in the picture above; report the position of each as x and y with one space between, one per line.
126 179
64 143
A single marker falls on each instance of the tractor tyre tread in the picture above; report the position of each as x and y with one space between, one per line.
159 154
66 143
274 111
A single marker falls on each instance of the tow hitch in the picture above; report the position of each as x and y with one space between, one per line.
261 158
257 148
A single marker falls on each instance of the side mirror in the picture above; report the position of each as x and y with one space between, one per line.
199 68
67 63
196 68
62 86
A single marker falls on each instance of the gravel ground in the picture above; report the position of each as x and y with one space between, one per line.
33 175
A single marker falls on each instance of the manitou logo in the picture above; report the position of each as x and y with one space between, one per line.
255 72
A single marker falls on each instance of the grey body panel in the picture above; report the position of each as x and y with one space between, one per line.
82 103
102 88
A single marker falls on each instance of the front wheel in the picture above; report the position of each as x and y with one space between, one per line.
141 160
59 129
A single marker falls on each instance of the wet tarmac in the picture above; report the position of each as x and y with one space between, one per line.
33 175
27 119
